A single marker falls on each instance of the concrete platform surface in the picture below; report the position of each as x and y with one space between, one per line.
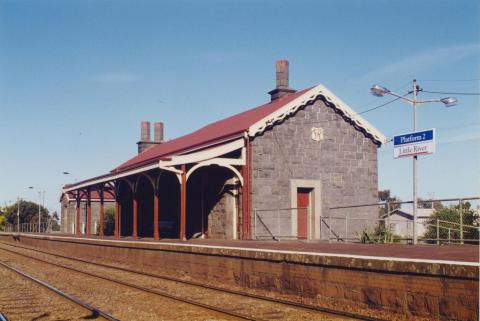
457 253
465 253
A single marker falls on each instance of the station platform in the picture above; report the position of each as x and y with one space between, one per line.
450 254
383 280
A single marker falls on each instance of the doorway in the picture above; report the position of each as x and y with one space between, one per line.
303 208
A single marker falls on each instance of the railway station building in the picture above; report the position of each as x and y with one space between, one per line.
68 210
273 170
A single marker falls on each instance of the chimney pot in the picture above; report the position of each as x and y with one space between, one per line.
158 132
145 131
282 73
145 141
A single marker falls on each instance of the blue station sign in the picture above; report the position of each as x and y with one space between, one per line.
416 143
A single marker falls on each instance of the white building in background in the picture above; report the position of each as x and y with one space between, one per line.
400 221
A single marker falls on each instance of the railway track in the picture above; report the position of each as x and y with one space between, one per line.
34 300
83 284
229 302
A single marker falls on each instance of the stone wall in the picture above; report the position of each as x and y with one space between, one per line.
343 164
221 218
211 203
217 220
67 216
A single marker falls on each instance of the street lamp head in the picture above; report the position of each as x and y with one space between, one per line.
449 101
379 91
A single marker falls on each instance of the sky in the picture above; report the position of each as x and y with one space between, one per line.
77 77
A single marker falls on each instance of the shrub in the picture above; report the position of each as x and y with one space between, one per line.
377 235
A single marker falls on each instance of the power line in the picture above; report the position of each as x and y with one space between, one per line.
426 91
362 112
371 109
447 93
450 80
375 99
377 107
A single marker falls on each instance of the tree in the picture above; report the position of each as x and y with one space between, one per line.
109 221
385 196
449 218
54 221
2 222
429 203
28 212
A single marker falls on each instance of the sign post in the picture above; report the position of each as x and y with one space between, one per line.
413 150
414 144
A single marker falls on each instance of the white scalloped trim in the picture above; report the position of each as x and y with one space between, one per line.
309 97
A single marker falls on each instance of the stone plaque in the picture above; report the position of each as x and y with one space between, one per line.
317 134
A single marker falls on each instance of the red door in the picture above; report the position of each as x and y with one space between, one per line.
303 203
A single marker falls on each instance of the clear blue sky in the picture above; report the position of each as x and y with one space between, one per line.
77 77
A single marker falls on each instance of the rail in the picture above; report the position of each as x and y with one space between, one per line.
140 288
192 283
95 312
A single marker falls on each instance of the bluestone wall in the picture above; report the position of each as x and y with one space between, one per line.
344 163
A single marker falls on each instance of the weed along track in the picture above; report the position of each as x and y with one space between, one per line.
125 292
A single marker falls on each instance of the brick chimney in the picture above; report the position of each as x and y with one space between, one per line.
282 88
158 133
145 141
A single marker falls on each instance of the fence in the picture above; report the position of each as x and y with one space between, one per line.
451 232
396 230
278 223
438 222
45 227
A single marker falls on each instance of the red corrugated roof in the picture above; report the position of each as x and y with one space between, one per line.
217 131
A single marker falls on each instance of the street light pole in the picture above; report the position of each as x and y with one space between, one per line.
43 205
39 214
380 91
18 215
39 207
414 104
